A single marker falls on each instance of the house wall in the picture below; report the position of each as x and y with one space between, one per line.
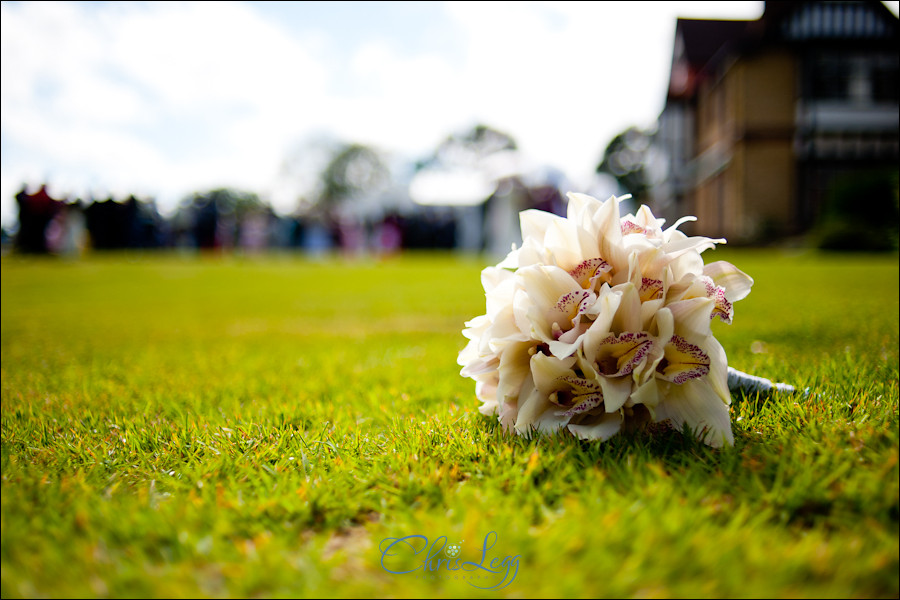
745 166
805 94
717 204
766 136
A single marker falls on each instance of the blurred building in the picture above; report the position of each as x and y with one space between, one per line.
762 116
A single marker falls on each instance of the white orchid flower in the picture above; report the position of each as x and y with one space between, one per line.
599 323
558 303
688 383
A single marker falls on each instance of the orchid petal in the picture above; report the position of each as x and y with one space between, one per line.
664 325
550 421
468 353
645 218
628 316
534 224
507 413
521 304
511 261
648 311
723 308
569 342
557 301
532 403
689 263
499 290
580 208
718 369
554 293
647 395
486 391
532 253
580 386
549 372
565 349
692 317
616 391
587 272
619 355
491 277
683 361
696 404
690 244
583 404
605 224
601 428
663 328
489 408
504 331
479 366
475 327
686 219
569 243
542 285
604 309
737 284
573 304
629 226
513 369
650 289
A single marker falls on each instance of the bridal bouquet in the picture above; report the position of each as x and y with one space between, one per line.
600 323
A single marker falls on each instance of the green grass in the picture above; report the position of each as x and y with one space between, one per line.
233 427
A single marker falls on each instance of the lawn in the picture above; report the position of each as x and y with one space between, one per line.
233 427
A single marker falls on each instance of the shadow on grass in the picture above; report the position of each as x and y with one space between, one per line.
801 483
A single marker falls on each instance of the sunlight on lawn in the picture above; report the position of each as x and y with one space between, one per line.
236 427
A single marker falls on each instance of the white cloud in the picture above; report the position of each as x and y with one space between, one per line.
565 77
167 98
120 93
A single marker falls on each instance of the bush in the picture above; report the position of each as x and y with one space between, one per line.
861 212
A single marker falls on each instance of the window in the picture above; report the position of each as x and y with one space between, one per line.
855 77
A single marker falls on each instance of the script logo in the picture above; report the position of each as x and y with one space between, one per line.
414 553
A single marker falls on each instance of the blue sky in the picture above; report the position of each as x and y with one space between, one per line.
162 99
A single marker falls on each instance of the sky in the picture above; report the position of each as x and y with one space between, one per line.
162 99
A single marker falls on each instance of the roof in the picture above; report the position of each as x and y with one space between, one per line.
703 38
700 44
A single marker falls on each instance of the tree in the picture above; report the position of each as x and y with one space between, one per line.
299 178
354 170
469 147
228 201
861 212
627 158
205 210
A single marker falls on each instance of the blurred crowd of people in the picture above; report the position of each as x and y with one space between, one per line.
214 221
